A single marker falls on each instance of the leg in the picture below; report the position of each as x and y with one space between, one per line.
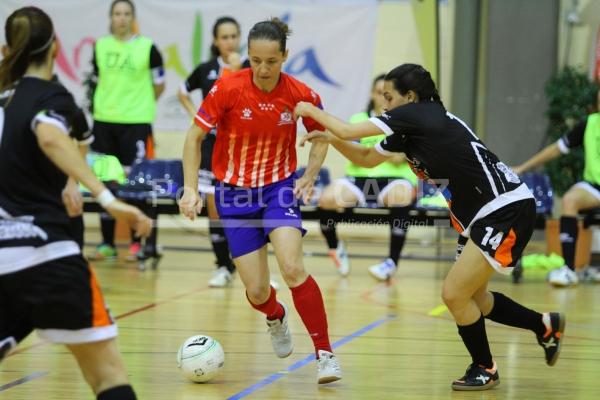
102 368
340 194
398 195
575 200
468 276
217 236
287 244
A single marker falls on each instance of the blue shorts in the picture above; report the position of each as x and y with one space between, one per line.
249 215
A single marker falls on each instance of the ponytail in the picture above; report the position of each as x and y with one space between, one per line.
29 36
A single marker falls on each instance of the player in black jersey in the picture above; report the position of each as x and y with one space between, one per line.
45 283
225 60
489 205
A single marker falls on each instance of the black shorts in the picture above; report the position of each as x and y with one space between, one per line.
502 235
61 299
206 179
371 191
127 142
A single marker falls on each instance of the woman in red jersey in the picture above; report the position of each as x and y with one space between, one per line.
255 162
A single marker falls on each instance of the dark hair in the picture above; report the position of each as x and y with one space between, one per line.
416 78
371 104
274 29
29 36
214 51
115 2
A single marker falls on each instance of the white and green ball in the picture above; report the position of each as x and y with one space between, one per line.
200 358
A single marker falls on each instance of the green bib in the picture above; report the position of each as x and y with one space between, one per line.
383 170
125 91
591 146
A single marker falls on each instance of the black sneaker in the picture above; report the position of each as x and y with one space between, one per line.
478 377
551 340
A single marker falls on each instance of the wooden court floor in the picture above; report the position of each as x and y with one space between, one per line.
393 340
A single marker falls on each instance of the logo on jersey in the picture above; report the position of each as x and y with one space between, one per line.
213 90
212 75
266 106
246 114
508 173
386 115
291 213
285 118
21 228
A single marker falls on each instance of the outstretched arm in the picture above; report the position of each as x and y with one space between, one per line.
338 127
550 152
190 203
360 155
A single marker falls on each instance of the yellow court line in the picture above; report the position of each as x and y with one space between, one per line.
437 311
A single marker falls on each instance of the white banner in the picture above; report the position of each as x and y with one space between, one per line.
331 47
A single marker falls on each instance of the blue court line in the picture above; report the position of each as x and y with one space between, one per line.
299 364
25 379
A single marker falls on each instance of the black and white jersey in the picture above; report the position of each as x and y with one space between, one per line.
441 147
80 129
206 74
34 226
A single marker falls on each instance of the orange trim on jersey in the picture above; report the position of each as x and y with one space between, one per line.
456 224
150 148
504 251
100 316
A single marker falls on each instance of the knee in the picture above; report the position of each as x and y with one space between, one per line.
327 201
293 273
570 205
258 293
452 297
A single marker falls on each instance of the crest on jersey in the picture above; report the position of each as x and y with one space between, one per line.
213 90
246 113
285 118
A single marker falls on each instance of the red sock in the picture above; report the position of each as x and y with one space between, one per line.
271 308
309 304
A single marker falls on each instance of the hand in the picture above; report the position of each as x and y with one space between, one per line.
518 169
190 203
303 109
303 188
317 136
137 220
72 199
235 61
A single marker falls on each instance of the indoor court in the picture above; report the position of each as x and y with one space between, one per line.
389 344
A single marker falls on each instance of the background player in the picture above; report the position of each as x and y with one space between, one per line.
489 205
581 196
255 197
389 184
45 283
129 74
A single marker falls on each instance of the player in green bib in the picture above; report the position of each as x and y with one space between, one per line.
389 184
129 77
581 196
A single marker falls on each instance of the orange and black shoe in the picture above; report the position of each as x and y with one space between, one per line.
478 377
551 341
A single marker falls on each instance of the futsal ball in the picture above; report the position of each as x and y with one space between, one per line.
200 358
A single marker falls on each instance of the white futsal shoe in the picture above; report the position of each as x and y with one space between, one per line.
281 337
383 271
563 277
328 367
340 259
221 278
